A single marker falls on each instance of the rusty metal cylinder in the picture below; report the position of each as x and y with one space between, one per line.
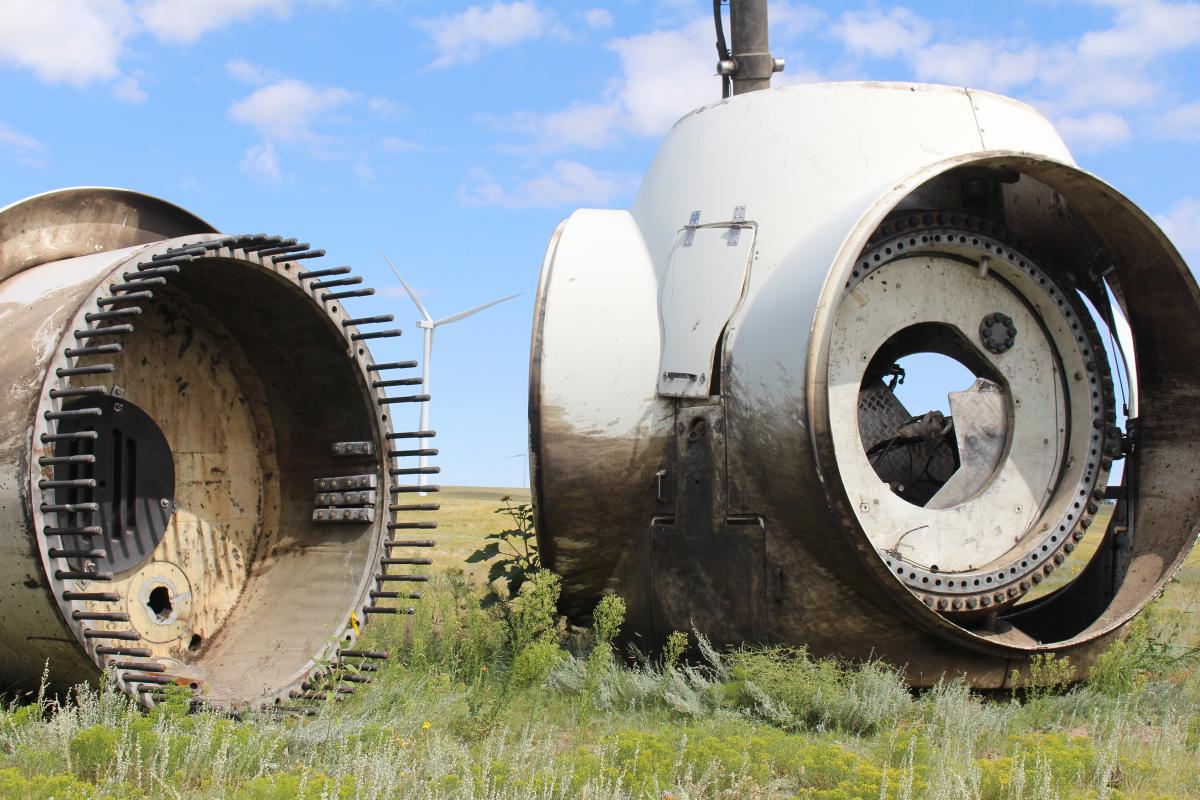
717 417
194 482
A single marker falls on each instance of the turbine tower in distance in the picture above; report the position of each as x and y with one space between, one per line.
428 324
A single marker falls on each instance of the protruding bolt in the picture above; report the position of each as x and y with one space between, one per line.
997 332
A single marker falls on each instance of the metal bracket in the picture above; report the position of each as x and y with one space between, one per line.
354 448
343 515
344 483
360 498
690 229
735 234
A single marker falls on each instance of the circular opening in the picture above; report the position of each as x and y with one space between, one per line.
929 378
159 603
134 470
980 454
247 386
907 402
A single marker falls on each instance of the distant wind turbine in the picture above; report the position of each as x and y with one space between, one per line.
428 324
525 456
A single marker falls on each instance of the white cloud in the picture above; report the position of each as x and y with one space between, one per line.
83 41
128 90
188 20
1181 123
598 18
261 163
1182 224
249 72
1144 30
384 107
395 144
1090 84
463 37
790 20
993 65
568 183
288 110
882 35
26 149
1096 131
590 126
665 74
65 41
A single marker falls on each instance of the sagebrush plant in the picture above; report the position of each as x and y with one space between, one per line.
1154 645
498 702
1048 673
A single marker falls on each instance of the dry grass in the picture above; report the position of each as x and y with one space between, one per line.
468 514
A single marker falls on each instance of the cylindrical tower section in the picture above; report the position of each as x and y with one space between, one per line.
197 486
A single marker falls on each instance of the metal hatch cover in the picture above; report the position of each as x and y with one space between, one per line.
704 283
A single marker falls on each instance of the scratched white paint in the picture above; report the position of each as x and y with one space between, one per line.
807 162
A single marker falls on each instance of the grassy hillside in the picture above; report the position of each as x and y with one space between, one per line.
489 703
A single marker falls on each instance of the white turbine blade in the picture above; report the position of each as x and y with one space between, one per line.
475 310
407 288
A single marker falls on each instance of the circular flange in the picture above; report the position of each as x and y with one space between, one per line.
102 327
1074 390
67 223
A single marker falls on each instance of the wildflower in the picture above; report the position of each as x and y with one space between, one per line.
483 668
425 725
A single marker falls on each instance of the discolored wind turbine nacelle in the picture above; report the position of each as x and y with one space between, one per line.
196 485
715 423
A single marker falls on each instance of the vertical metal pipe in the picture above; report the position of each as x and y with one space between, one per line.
749 47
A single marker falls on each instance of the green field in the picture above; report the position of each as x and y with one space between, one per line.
490 703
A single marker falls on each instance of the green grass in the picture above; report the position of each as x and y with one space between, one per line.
486 703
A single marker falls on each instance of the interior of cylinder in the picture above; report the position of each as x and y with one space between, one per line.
973 508
250 385
1108 262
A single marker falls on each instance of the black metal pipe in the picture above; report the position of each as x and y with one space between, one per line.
392 365
749 46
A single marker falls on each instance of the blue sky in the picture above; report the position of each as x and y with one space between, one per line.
455 136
